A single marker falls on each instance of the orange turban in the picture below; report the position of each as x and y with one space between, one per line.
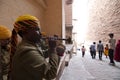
5 33
25 22
22 23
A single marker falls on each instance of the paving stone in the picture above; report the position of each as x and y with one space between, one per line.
86 68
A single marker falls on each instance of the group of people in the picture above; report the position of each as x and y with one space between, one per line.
100 49
26 59
112 49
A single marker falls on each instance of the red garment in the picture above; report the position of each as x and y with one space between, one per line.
117 52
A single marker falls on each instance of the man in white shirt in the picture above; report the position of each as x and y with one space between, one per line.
111 48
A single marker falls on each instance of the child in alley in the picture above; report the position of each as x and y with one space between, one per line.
83 51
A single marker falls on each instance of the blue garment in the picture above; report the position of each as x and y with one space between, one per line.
100 47
92 48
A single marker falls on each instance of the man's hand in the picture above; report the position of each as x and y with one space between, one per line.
60 50
52 43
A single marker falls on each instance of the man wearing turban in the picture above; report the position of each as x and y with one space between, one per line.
44 45
28 62
5 35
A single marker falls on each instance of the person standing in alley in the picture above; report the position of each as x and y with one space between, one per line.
93 50
100 49
106 50
112 42
5 38
83 51
117 52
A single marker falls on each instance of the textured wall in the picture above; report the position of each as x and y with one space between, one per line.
68 18
104 18
68 14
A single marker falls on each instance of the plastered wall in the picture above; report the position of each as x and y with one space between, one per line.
50 16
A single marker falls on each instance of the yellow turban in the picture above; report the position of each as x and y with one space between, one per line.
5 33
24 22
43 33
26 17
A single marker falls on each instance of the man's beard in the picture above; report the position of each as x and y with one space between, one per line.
36 39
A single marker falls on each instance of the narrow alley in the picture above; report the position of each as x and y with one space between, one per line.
52 29
86 68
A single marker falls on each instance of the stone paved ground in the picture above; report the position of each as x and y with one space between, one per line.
90 69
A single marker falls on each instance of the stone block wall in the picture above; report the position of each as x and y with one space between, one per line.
104 18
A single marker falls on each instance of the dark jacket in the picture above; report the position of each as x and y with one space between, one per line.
29 63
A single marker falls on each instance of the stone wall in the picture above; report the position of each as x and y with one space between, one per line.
104 18
68 18
68 14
